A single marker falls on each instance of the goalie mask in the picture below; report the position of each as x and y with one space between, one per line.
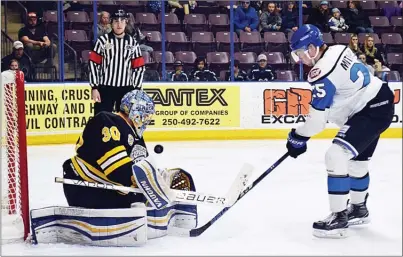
140 108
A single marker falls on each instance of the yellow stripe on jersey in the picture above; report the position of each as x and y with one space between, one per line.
110 153
80 171
116 165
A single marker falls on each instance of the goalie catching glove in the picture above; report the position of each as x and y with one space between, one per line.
156 184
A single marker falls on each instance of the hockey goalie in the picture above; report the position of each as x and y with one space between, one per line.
112 150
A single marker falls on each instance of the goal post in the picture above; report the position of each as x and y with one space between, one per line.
13 165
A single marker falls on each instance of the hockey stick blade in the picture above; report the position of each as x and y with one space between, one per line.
200 230
239 184
180 195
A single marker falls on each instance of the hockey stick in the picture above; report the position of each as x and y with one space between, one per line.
198 231
180 195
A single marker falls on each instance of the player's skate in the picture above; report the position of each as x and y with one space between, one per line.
358 213
334 226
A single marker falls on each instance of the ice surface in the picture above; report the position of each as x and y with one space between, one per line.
275 218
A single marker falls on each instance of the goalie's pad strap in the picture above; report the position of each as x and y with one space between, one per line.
103 227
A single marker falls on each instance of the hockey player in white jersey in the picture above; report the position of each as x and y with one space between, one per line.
345 93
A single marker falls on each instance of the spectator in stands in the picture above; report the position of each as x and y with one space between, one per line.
154 7
357 18
178 74
13 64
200 72
133 30
320 16
306 7
24 61
104 24
371 52
180 8
36 40
290 18
363 59
245 18
263 72
337 22
270 20
353 44
239 75
381 71
392 11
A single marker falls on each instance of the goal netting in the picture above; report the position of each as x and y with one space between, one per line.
14 179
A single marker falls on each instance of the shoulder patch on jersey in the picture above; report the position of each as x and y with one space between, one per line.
328 62
130 140
314 73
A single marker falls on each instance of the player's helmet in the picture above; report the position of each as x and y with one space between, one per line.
306 35
140 108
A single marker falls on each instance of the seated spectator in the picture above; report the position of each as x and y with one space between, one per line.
337 22
263 72
178 74
133 30
180 8
104 24
290 18
13 65
320 16
23 60
35 39
357 19
201 73
363 59
392 11
239 75
154 7
353 44
381 71
245 18
270 20
371 52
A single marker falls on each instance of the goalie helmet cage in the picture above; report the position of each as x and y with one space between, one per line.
14 194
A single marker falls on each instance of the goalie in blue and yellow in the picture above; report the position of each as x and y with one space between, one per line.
112 150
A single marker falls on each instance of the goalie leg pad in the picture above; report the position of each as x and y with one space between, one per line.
96 227
153 185
174 215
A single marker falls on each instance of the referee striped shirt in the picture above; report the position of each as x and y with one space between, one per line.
116 62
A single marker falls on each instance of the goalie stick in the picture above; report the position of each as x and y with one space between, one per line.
180 195
198 231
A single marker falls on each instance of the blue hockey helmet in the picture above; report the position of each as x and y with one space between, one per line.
305 36
140 108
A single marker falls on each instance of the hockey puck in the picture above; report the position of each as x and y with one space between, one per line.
158 149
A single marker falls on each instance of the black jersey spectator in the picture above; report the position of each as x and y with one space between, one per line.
178 74
371 52
270 20
239 75
357 18
201 73
289 18
320 16
24 62
263 72
36 41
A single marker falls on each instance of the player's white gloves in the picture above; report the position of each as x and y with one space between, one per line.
149 179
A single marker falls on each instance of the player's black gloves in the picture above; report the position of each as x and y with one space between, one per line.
296 144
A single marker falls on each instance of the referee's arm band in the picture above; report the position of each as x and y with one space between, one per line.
138 62
95 57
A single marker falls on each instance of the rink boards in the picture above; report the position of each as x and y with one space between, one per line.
57 113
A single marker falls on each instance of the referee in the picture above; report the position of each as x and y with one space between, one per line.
116 65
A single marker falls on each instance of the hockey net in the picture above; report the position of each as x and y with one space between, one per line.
14 193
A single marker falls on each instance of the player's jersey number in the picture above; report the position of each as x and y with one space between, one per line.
359 67
109 133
